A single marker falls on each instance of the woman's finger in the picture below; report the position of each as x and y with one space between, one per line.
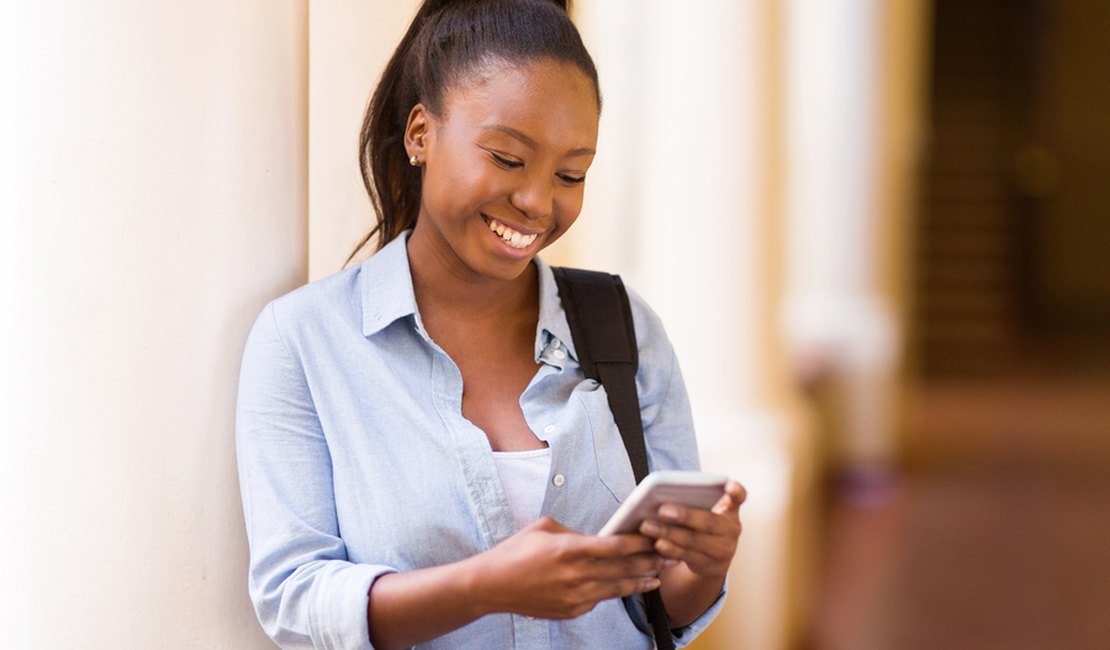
676 534
735 495
724 523
612 546
671 541
697 562
632 566
599 590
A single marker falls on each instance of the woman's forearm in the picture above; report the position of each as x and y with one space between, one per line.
687 595
546 570
415 606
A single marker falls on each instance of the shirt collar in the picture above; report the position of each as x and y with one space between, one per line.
386 284
552 329
387 295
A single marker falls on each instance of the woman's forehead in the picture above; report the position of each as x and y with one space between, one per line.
545 94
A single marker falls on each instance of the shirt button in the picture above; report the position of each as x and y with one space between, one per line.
549 428
559 354
559 480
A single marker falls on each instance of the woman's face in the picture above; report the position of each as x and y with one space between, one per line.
504 165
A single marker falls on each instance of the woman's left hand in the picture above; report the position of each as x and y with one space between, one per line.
705 540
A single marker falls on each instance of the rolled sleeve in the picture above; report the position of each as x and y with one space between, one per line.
305 591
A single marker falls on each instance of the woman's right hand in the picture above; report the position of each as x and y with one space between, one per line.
550 571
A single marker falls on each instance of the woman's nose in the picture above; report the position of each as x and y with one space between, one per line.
535 197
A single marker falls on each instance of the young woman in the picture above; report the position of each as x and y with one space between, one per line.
421 458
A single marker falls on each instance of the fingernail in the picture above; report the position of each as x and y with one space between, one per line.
669 562
651 584
668 512
649 527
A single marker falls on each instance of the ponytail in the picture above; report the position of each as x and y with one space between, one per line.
446 40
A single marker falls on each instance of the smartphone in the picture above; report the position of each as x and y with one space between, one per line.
692 489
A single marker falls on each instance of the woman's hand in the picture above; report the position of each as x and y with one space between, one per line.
549 571
702 543
705 540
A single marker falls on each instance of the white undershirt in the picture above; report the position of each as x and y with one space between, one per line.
524 480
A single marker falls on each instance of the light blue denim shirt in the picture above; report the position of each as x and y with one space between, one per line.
355 459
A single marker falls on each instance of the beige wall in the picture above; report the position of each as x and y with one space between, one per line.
154 198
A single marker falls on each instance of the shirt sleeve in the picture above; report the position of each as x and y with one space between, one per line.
305 591
668 433
682 636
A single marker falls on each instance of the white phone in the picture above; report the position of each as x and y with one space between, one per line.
692 489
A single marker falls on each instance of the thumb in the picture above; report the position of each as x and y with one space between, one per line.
734 495
547 525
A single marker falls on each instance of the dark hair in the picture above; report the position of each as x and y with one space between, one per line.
448 40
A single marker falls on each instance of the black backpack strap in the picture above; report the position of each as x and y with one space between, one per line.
600 319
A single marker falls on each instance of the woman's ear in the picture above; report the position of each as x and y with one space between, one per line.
416 132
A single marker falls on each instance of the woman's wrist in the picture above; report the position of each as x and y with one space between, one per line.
475 575
410 607
687 595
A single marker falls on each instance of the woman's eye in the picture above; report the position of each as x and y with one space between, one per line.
572 180
505 162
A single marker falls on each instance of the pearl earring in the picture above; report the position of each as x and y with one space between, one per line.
414 161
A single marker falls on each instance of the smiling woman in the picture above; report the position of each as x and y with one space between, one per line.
422 459
504 166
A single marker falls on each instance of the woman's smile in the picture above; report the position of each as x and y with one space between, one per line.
515 237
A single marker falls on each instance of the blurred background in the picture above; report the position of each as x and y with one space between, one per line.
875 230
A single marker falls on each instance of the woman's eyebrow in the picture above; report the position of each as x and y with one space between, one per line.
532 144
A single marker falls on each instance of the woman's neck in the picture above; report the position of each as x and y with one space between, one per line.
445 287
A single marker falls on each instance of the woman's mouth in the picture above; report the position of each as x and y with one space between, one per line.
510 236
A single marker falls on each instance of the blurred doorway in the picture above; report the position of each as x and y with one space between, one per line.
1013 289
1014 225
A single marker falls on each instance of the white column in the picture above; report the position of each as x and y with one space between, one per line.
677 202
349 44
154 197
672 199
836 318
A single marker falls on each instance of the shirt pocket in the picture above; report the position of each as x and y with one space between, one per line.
613 467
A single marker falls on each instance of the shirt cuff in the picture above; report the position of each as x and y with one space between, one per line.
342 615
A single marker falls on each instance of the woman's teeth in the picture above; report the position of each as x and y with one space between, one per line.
510 236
